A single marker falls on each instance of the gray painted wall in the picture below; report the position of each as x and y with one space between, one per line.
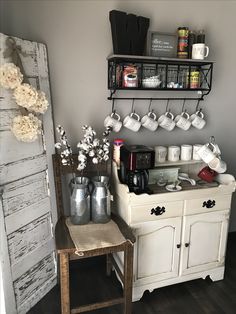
78 37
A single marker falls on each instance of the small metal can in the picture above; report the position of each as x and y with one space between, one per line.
194 79
182 51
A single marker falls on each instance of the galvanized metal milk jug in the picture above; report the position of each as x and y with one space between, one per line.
101 200
80 201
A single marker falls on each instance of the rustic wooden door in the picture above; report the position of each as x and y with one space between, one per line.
27 201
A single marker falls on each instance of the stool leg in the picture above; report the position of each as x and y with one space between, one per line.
109 265
64 283
128 278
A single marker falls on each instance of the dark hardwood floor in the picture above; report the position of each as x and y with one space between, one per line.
89 284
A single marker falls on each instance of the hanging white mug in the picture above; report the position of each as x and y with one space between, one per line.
132 122
166 121
149 121
197 120
182 121
113 120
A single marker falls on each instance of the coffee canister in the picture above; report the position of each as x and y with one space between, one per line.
183 33
194 78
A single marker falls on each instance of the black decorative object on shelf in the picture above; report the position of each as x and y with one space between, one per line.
209 204
129 32
158 210
126 72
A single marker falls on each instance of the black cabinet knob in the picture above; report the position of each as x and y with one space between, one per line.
209 203
178 246
158 210
187 244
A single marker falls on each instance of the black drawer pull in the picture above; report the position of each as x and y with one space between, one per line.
158 210
178 246
187 244
209 204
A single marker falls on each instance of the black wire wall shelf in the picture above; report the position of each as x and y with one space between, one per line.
144 73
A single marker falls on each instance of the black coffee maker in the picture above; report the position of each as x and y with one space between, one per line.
135 160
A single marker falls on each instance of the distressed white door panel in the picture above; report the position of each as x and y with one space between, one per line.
6 117
6 99
33 258
26 173
26 215
22 168
13 150
24 192
33 279
28 56
28 238
39 294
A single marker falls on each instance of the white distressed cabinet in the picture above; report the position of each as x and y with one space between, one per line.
187 241
27 200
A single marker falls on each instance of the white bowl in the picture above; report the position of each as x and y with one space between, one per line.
150 83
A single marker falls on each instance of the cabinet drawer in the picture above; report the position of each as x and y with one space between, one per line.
155 211
207 204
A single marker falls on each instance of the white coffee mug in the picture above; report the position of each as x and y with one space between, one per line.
173 153
207 152
182 121
217 165
113 120
200 51
160 154
166 121
196 147
132 122
197 120
149 121
186 152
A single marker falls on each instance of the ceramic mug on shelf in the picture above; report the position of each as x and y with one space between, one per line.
207 152
218 165
173 153
166 121
113 120
149 121
132 122
182 121
207 174
200 51
197 120
186 152
160 154
196 147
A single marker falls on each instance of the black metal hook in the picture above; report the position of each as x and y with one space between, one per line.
183 105
132 109
149 107
197 107
167 105
113 106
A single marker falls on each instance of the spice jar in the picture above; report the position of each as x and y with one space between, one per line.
118 142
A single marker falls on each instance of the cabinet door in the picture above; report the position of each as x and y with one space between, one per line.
204 241
157 250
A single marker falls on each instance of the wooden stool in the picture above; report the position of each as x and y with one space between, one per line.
66 252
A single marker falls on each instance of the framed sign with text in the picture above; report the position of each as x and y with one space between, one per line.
162 44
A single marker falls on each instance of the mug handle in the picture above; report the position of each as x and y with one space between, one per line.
136 115
185 113
170 114
153 114
200 114
207 51
115 114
